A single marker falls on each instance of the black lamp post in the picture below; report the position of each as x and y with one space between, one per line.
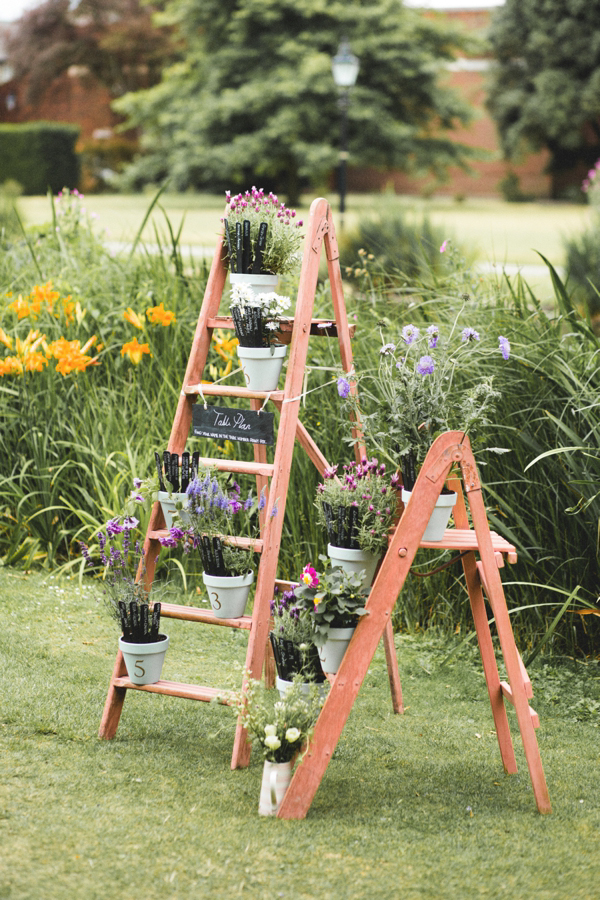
345 71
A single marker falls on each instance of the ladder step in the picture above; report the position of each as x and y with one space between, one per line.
197 614
224 390
174 689
507 691
238 466
254 544
466 539
285 332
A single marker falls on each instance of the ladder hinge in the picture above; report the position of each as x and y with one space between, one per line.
323 227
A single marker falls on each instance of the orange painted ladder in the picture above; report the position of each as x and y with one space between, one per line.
320 230
448 451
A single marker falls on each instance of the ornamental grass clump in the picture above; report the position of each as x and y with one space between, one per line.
275 249
423 387
216 514
358 509
281 727
334 598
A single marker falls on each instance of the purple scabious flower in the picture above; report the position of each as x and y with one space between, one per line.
504 345
426 365
469 334
343 387
434 332
130 522
387 349
410 333
113 528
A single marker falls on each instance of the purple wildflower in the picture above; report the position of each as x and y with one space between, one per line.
469 334
249 502
425 366
168 542
387 349
343 387
275 509
262 501
434 332
444 246
130 522
504 345
113 528
410 333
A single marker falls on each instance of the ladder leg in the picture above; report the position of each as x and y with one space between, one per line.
509 651
391 659
114 702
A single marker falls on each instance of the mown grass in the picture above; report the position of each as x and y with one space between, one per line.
412 806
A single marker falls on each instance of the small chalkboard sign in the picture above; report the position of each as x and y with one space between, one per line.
226 424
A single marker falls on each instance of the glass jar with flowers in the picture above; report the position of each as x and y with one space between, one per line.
281 727
357 511
216 515
128 600
335 600
427 383
257 318
292 642
262 239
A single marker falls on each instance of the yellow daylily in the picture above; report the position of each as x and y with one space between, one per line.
132 317
135 351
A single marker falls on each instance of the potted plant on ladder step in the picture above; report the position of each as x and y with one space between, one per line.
217 515
335 600
257 319
424 385
296 655
357 509
142 645
262 239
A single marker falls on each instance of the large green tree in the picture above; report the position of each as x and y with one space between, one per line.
254 97
545 89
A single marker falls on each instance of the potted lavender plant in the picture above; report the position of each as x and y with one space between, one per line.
357 511
257 319
142 645
216 515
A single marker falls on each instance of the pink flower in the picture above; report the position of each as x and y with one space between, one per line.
309 577
443 247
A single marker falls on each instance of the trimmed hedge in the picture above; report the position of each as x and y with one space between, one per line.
39 155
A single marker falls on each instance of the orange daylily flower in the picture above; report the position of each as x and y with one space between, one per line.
135 351
5 339
132 317
158 315
11 365
71 356
21 307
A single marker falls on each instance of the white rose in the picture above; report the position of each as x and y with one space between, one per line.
270 730
292 734
272 742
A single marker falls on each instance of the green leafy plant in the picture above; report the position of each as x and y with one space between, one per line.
334 598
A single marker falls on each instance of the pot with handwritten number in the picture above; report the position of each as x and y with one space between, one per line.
228 594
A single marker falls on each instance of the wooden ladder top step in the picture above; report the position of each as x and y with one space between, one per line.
466 539
321 327
224 390
198 614
175 689
238 466
254 544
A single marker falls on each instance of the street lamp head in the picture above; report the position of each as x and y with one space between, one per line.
345 66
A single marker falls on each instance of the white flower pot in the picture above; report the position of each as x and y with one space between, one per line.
354 561
167 502
283 687
260 284
261 367
439 517
332 652
144 662
228 594
275 780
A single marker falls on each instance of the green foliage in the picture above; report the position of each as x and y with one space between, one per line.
545 90
40 156
583 268
10 191
254 96
333 597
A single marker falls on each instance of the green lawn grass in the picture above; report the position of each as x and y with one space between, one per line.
413 806
497 231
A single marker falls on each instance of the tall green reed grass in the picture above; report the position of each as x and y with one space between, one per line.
71 445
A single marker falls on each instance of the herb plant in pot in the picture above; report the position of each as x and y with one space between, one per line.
257 319
427 383
262 239
357 511
217 515
282 727
142 645
335 600
296 655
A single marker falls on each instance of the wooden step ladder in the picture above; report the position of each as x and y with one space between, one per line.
449 450
320 231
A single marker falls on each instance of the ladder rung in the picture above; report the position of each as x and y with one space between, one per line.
197 614
175 689
507 691
466 539
254 544
224 390
285 332
238 466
